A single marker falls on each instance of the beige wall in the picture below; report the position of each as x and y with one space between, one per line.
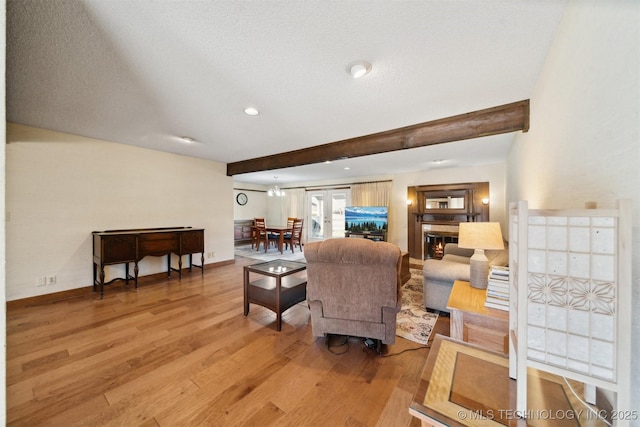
3 317
584 141
257 203
62 187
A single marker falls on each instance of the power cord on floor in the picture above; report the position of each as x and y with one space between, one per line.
368 345
407 350
586 404
330 347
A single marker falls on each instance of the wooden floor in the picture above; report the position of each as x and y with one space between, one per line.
181 353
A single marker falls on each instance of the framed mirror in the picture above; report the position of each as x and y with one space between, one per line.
448 202
445 201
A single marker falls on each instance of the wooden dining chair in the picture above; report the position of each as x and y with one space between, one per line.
296 235
290 221
260 233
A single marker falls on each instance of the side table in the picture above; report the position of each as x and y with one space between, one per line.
472 322
279 290
405 272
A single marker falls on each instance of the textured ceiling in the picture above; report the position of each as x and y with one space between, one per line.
144 72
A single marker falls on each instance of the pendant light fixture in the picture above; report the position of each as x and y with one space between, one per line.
275 190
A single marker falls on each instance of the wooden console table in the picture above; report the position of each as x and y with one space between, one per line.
125 246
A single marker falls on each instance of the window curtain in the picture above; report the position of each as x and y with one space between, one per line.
371 194
293 205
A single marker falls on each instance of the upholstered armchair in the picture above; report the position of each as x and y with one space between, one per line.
354 288
439 275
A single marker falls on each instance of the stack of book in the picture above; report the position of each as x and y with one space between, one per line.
498 288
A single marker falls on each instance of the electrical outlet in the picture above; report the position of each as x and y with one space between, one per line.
41 281
51 280
211 254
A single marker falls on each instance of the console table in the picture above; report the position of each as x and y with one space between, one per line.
125 246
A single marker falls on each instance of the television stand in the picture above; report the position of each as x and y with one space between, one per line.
377 236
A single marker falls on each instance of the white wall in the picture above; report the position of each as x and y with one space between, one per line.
3 282
256 206
62 187
584 140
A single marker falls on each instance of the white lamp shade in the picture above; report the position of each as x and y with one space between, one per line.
480 235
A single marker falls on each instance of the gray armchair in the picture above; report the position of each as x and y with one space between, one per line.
354 288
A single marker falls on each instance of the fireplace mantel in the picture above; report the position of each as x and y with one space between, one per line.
436 206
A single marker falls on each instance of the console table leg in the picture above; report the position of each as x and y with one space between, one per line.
179 267
102 282
95 275
202 264
169 265
135 272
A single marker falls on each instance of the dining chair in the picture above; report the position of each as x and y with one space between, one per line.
296 235
260 233
290 221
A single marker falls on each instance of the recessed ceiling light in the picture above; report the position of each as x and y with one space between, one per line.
187 139
327 162
251 111
347 168
358 69
439 161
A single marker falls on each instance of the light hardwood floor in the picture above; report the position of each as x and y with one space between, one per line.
182 353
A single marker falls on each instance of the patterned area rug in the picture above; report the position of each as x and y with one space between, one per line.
414 322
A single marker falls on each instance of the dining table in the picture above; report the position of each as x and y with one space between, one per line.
280 230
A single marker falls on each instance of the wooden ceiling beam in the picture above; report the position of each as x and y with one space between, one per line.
491 121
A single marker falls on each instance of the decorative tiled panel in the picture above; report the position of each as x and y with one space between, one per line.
513 269
571 278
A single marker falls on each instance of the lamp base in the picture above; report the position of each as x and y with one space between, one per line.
479 270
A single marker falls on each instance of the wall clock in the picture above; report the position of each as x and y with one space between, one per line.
242 199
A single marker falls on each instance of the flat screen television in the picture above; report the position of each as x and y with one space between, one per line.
366 219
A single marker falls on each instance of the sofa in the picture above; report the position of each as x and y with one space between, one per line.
354 288
439 275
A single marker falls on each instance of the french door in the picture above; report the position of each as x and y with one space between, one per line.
325 213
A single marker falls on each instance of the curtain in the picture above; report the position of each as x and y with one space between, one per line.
293 205
371 194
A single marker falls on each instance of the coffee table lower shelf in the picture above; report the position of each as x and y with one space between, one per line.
265 292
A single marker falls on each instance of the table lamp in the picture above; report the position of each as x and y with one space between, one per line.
479 236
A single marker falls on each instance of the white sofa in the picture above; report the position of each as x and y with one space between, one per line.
439 275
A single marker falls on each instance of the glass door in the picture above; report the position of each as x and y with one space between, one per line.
326 213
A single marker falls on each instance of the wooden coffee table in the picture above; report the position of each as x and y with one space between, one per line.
279 290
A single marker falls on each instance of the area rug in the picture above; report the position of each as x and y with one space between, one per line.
271 254
414 322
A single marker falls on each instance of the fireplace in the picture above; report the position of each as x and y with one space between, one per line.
434 212
435 237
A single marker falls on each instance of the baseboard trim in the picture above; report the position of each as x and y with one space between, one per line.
85 291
